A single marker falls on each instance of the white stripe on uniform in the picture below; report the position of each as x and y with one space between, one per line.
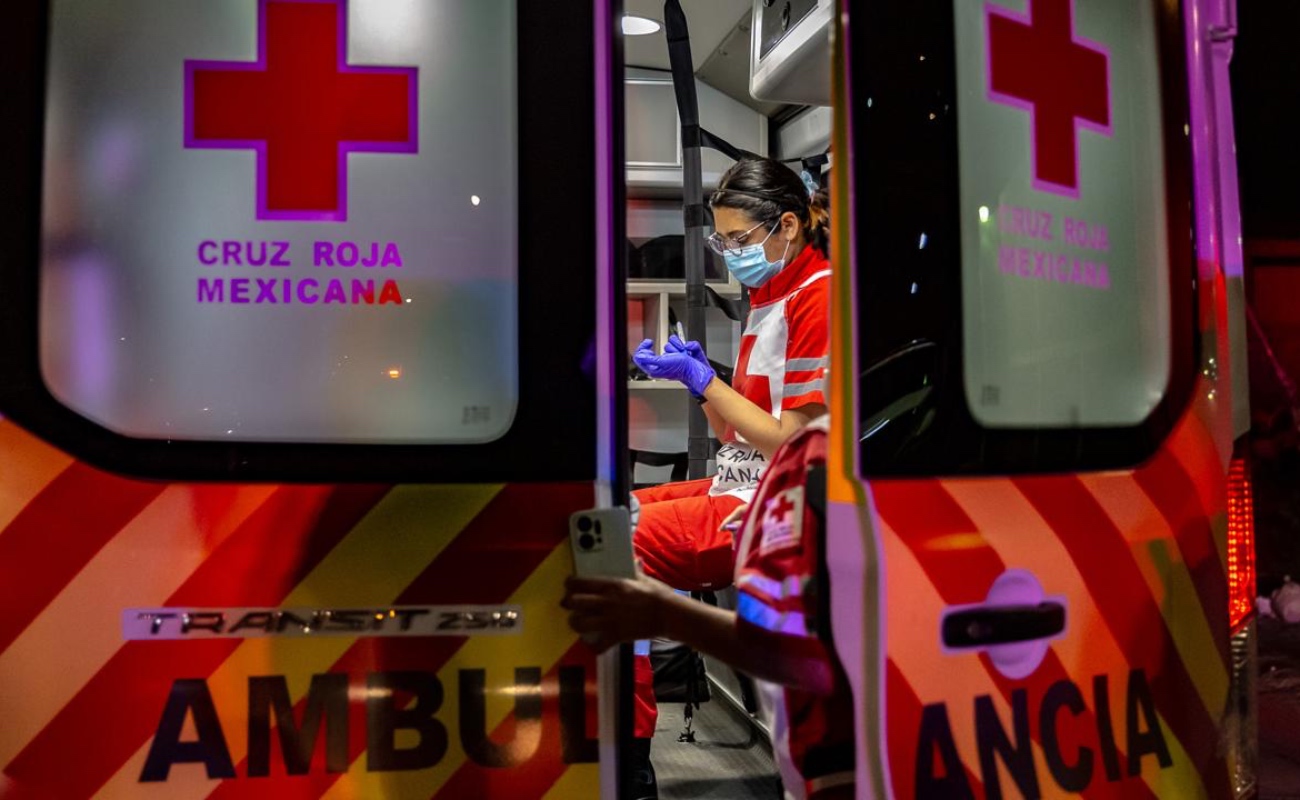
756 612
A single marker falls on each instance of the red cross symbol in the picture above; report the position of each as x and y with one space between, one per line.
779 507
301 108
1038 64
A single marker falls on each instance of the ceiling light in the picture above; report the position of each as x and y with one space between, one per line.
639 26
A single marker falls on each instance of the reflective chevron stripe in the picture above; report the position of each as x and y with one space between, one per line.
85 545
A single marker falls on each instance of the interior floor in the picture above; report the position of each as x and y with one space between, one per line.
729 759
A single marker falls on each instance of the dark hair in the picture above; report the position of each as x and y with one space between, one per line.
764 189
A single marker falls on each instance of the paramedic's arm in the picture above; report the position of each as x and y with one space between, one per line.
758 427
716 423
624 610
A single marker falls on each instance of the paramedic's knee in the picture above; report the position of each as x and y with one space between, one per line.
680 543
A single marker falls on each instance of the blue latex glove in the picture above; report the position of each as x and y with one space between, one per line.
679 362
691 348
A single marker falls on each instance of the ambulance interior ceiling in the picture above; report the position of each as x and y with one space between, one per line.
719 46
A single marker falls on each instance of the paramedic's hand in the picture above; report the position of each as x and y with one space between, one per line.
691 348
607 611
735 518
676 364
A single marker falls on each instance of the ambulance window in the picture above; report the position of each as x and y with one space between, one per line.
1025 268
295 221
305 240
1064 241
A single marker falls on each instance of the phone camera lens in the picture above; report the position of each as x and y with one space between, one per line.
584 524
586 541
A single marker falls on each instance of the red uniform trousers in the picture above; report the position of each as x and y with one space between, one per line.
680 542
679 538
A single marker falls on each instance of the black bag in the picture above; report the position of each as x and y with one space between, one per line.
679 673
663 257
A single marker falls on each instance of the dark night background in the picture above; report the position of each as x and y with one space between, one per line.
1266 104
1266 101
1265 76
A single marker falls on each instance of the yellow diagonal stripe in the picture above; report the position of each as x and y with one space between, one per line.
578 781
1168 580
26 465
1174 782
377 559
545 638
167 531
1195 450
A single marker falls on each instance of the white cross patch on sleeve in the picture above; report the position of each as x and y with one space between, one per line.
782 520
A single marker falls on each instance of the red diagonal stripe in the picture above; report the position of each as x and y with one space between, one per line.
964 575
928 520
1103 558
57 534
1172 491
904 712
115 713
535 777
485 564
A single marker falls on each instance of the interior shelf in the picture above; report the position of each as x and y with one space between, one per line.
730 289
654 384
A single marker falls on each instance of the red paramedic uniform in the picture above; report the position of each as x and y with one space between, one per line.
781 367
783 606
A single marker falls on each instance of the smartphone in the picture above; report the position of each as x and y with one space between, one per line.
601 540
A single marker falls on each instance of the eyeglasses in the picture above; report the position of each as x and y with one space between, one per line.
721 244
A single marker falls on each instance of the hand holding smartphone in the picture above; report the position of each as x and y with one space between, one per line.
601 540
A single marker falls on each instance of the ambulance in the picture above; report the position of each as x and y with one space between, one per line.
316 318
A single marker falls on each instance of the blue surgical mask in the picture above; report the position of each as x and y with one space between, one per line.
750 265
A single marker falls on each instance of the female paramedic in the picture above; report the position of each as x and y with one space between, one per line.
771 230
780 632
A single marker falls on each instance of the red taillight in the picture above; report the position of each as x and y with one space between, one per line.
1241 544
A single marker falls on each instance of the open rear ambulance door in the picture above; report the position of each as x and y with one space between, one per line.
1032 467
333 282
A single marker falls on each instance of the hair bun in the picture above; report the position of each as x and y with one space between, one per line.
810 183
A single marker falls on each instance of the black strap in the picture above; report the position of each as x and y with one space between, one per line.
688 112
696 689
815 163
715 142
699 442
704 449
815 491
812 164
707 297
694 215
683 71
736 310
679 59
809 162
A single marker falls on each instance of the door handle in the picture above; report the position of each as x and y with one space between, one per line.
988 626
1013 626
